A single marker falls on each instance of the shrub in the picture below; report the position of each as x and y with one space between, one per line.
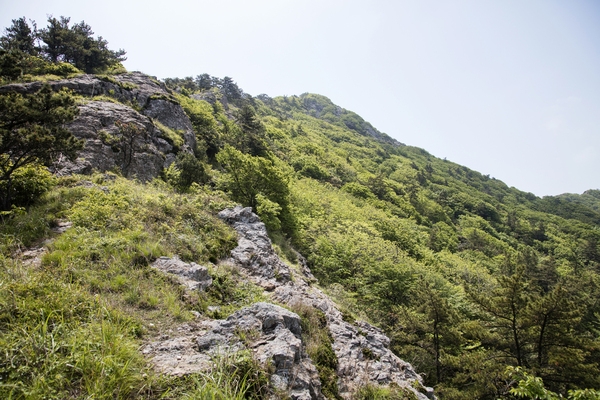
185 171
29 183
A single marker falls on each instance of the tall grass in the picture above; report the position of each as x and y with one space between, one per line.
234 376
72 327
60 341
376 392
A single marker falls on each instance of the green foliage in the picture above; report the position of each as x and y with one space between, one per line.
269 212
27 68
32 131
358 190
29 183
250 138
66 50
532 387
443 237
258 182
584 207
309 167
19 37
186 171
204 123
76 45
318 341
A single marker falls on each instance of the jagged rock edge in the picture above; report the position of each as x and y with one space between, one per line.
192 346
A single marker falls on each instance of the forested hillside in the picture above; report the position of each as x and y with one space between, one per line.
483 288
467 275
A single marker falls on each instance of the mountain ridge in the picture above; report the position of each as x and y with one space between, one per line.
425 248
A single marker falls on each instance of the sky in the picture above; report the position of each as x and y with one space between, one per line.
509 88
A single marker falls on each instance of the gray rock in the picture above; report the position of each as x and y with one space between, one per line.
172 115
192 275
133 87
144 99
97 125
362 350
178 355
270 332
212 97
254 251
274 336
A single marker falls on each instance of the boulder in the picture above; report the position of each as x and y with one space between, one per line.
191 275
254 251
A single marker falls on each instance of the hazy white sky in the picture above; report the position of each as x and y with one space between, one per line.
510 88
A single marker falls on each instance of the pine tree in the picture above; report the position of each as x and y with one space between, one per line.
20 37
76 45
32 130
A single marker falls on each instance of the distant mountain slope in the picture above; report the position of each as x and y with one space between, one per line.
584 207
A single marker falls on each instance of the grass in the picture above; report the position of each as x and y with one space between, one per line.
58 340
173 136
376 392
72 327
234 376
318 342
229 292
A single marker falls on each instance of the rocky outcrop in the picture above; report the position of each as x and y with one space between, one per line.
107 146
139 101
271 333
274 335
191 275
362 350
254 251
212 96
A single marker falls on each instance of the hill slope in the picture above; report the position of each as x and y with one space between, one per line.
466 275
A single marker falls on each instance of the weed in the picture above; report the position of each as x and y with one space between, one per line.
247 336
376 392
234 376
369 354
318 342
230 291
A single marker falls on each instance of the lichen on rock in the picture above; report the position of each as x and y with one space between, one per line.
116 122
